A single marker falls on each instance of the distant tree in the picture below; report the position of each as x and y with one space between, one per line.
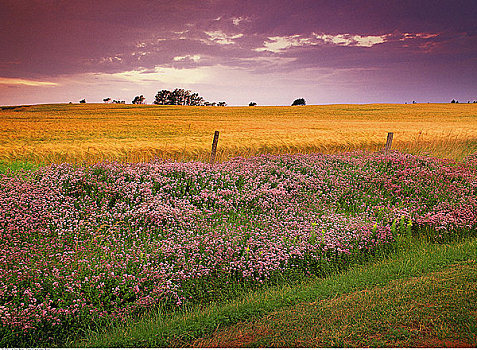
196 100
221 104
162 98
181 97
138 100
453 101
299 102
107 100
251 104
83 101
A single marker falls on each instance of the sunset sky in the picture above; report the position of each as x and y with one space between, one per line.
270 52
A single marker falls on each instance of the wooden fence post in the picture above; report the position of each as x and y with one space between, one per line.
389 142
214 147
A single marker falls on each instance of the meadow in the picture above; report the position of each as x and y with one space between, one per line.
45 134
86 246
91 244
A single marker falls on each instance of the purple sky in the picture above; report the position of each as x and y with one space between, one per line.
270 52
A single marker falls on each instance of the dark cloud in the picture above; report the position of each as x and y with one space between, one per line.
43 39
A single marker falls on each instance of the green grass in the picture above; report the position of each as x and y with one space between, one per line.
435 309
419 259
18 166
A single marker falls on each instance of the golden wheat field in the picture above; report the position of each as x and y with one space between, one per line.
93 132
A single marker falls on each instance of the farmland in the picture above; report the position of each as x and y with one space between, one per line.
90 133
91 243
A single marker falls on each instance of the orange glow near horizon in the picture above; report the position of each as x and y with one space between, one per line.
16 81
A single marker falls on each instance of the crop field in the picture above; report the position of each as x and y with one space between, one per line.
94 132
85 245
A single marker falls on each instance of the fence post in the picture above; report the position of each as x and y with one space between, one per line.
389 142
214 147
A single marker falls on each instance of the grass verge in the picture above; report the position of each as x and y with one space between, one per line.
191 327
18 166
433 310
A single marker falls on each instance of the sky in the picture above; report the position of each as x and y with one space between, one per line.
269 52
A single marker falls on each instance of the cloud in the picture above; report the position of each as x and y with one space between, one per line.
194 58
112 59
164 75
352 40
236 20
46 41
280 43
25 82
407 36
220 37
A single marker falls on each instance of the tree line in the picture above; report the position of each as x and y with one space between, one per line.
177 97
455 101
182 97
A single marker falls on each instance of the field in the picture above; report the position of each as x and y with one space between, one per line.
90 133
85 247
89 245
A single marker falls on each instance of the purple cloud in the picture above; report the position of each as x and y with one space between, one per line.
58 43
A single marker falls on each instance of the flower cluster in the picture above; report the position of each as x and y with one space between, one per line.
88 243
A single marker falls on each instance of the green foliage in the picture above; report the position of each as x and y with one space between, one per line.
17 166
179 329
299 102
94 185
179 97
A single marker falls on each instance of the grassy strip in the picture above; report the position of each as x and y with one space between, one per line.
436 309
180 329
17 166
